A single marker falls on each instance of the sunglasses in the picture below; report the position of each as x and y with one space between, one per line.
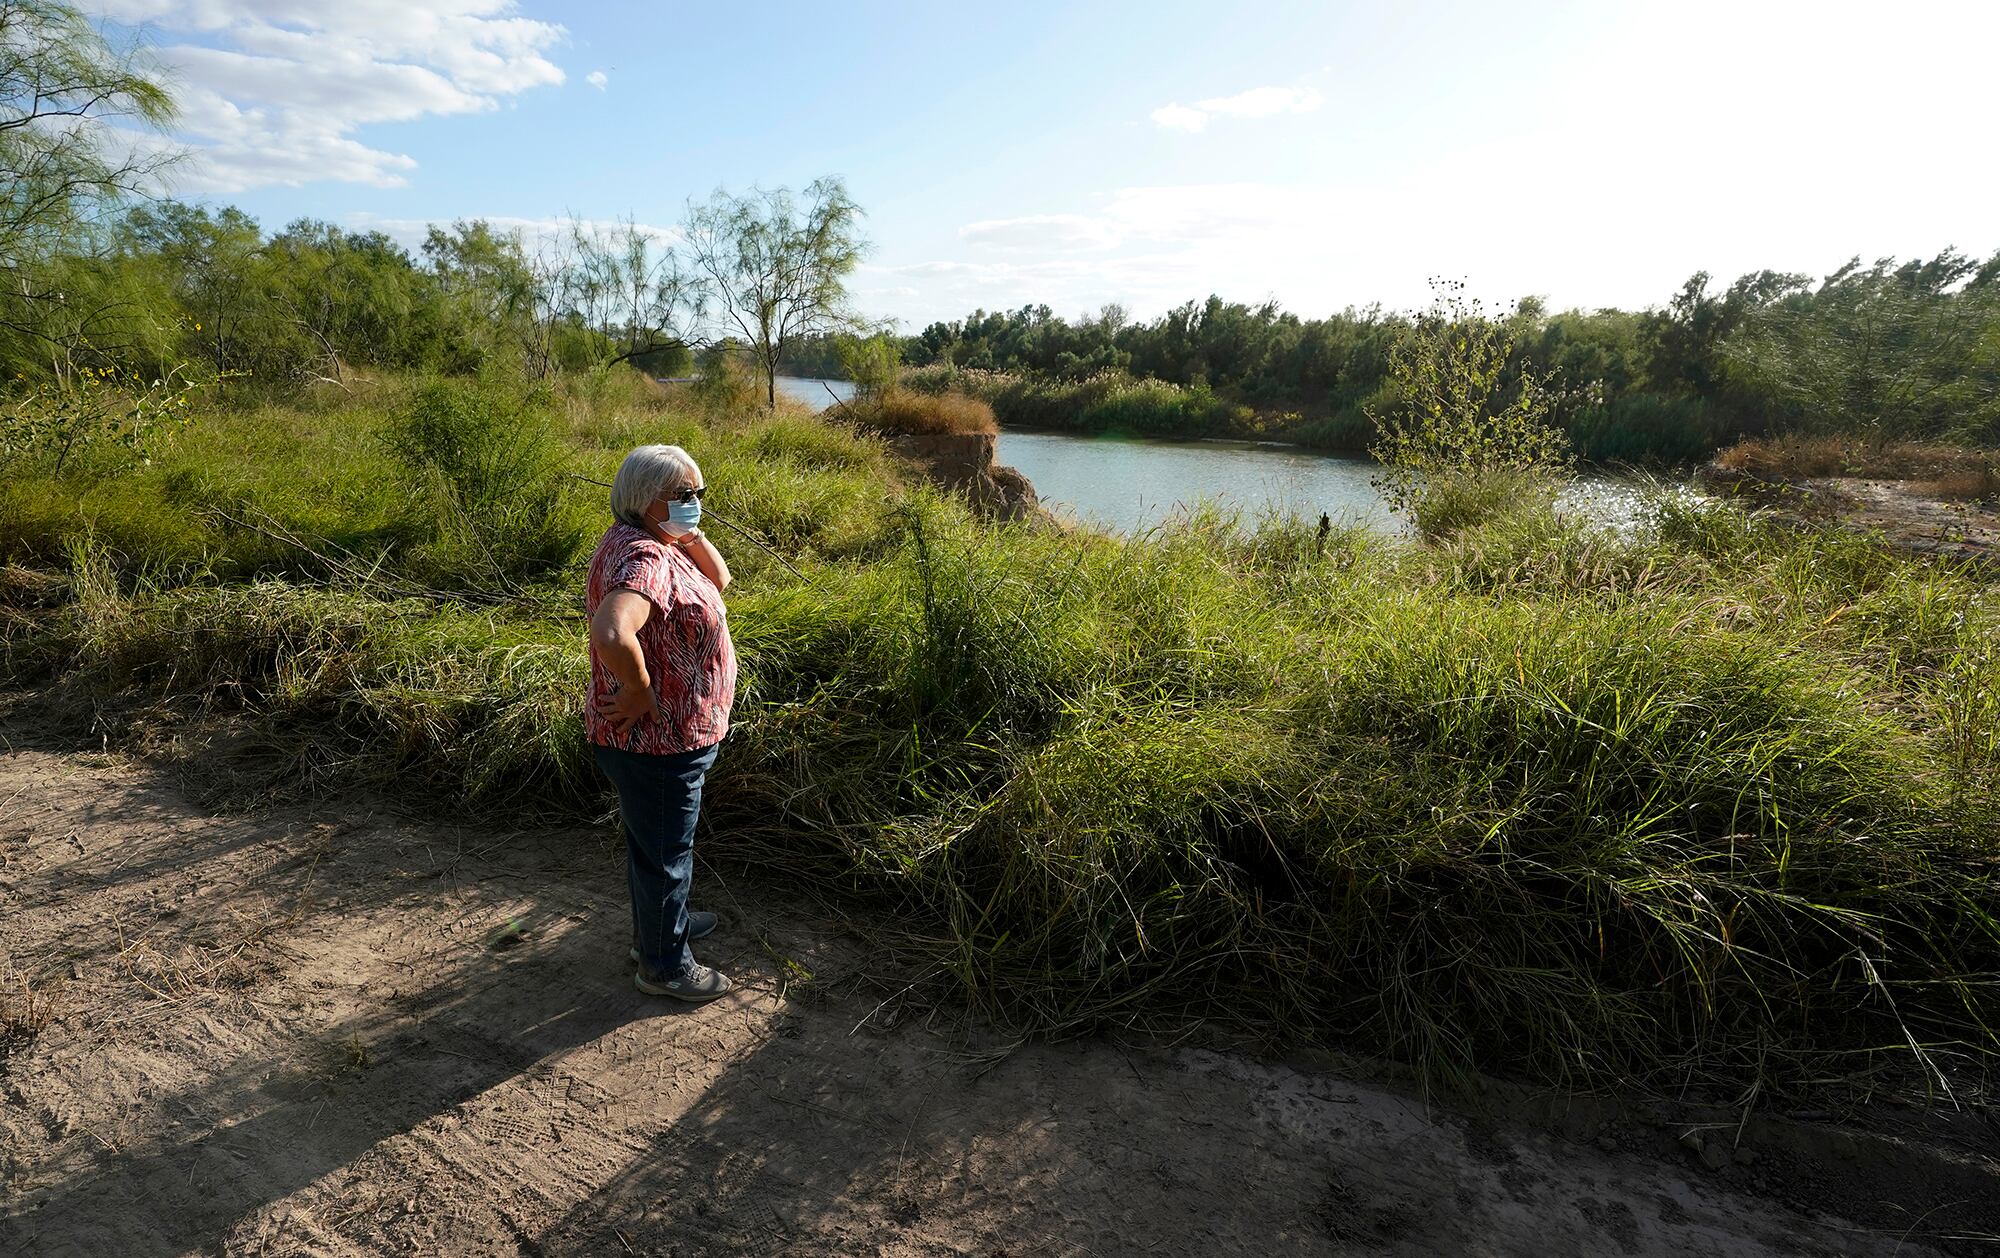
691 494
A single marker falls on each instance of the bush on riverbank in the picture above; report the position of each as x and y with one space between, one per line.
1708 809
901 413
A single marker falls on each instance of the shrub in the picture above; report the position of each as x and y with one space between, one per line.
99 410
1105 402
1456 425
490 474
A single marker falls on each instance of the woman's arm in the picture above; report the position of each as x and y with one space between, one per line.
614 631
705 556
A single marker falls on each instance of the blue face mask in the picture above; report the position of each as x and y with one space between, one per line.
684 514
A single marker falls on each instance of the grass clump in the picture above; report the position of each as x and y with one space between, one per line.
1450 499
901 413
488 471
1709 808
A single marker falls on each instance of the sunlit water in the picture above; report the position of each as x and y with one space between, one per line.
815 393
1131 484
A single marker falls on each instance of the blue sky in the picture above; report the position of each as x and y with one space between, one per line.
1078 154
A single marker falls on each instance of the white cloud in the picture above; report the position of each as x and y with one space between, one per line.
276 91
1258 102
1172 214
1040 231
597 79
1180 118
1263 102
1314 247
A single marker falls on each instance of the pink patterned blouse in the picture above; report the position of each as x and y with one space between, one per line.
685 642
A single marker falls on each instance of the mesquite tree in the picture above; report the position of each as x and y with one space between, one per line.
60 165
633 290
776 267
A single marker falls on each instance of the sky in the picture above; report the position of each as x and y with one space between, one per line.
1321 155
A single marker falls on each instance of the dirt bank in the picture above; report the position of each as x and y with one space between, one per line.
338 1031
1903 512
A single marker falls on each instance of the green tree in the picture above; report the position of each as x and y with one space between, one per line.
486 295
61 168
210 263
1461 443
1886 350
632 290
874 363
351 294
777 268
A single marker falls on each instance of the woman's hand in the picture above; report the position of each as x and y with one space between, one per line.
626 706
614 632
696 546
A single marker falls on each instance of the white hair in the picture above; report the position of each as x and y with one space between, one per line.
646 473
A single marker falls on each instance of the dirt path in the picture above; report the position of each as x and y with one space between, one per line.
294 1034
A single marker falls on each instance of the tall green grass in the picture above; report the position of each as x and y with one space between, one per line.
1706 808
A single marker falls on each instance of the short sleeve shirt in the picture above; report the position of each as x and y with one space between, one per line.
685 642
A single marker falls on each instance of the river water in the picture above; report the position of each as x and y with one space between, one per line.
1131 484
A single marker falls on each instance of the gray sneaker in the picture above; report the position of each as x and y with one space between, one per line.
697 985
700 926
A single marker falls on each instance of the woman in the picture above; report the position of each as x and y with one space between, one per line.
662 675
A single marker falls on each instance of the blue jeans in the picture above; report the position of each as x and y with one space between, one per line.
658 800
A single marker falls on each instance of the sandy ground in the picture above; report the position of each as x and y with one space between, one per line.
1959 530
311 1032
1901 511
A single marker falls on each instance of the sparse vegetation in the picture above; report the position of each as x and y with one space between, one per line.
24 1014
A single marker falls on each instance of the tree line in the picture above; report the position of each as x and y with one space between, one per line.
166 283
99 281
1893 349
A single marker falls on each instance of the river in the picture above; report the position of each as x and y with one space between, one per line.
1130 484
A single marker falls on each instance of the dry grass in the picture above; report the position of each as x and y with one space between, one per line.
24 1014
902 413
1982 485
1952 471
